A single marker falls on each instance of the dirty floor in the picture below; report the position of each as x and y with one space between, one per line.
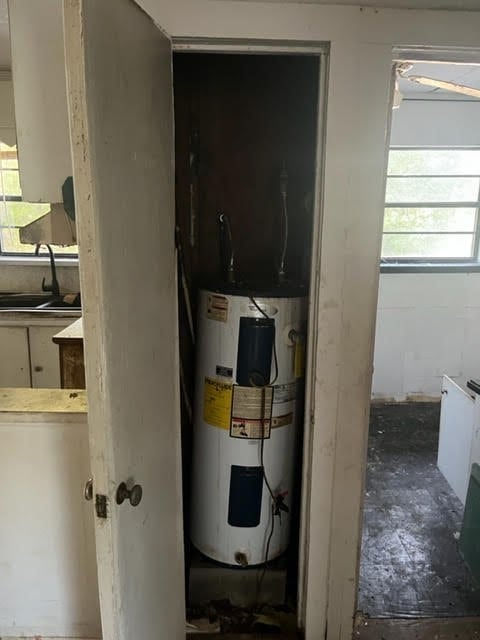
410 563
445 629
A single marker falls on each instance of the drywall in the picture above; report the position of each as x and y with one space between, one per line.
427 324
48 584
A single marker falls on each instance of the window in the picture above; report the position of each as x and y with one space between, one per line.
432 203
14 213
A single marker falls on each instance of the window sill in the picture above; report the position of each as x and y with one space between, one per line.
33 261
430 267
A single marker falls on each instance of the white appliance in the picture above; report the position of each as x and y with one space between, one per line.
249 374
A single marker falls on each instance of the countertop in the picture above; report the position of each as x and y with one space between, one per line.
74 331
31 317
25 401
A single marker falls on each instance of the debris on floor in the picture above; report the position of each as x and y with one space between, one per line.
223 617
410 564
424 629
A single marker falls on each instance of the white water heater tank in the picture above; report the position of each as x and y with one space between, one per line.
249 377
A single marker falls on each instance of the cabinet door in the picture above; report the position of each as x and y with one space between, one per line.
38 69
14 357
455 436
121 116
44 357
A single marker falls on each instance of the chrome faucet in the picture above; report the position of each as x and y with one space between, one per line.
54 286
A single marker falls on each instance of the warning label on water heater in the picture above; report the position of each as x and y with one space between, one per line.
217 403
217 308
251 412
250 429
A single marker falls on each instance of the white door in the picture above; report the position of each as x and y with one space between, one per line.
121 120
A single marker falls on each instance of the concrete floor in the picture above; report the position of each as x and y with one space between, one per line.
443 629
410 563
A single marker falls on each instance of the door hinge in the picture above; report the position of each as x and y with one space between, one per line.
101 505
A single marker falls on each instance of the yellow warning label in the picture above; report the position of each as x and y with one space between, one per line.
217 403
299 362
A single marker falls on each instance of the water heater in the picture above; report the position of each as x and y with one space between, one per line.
249 375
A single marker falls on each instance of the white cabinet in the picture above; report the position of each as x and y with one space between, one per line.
44 357
14 357
38 68
28 356
47 552
459 438
7 111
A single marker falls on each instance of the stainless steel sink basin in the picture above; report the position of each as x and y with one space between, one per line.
23 300
58 305
36 302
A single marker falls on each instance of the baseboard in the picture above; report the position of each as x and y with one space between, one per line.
378 398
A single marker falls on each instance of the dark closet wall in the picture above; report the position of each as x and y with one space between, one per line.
243 116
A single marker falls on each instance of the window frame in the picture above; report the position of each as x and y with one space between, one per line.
432 264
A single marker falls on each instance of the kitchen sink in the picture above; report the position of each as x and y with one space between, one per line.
57 304
23 300
37 302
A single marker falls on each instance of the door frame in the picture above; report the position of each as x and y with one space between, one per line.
320 50
363 43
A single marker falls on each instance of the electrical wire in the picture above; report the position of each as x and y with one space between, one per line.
267 549
225 220
283 195
262 445
285 235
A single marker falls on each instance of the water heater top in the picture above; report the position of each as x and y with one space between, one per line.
258 289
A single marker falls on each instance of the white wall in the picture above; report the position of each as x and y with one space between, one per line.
428 324
48 583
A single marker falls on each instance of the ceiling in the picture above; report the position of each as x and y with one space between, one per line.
466 74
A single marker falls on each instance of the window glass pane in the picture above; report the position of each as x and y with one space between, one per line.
8 156
18 214
10 242
425 219
14 215
434 162
71 250
432 189
419 245
10 183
